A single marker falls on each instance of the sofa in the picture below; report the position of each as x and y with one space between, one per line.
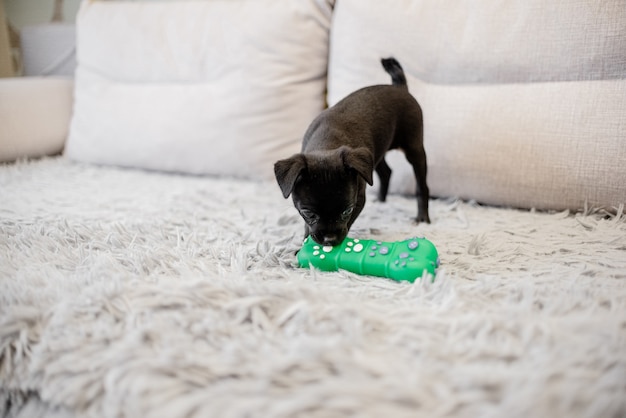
147 256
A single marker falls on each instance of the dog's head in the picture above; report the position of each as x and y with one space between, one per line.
325 186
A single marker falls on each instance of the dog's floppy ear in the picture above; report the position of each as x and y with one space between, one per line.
360 160
287 172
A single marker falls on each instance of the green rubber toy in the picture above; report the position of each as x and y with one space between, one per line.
401 260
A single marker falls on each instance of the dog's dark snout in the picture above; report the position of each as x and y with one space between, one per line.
330 239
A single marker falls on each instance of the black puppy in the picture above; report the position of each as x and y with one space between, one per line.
341 149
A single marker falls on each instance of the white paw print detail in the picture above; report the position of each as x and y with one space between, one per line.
317 248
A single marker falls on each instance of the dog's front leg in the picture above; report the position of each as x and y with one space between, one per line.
358 206
384 174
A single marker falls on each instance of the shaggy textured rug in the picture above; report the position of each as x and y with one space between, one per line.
133 294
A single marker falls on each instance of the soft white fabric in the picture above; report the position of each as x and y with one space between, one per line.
497 129
211 87
35 115
125 293
461 41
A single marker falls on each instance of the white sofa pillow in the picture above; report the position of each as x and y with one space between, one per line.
204 87
524 102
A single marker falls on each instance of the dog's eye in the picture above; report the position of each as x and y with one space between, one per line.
346 213
309 216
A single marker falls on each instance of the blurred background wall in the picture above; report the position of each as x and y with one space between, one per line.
22 13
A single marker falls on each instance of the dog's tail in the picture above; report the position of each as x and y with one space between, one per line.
394 69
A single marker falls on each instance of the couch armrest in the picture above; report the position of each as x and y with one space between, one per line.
35 115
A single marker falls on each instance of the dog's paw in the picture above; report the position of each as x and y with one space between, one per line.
422 219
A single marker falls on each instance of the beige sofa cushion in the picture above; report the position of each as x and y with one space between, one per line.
34 116
524 102
204 87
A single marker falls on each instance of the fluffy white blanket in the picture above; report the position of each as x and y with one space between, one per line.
126 293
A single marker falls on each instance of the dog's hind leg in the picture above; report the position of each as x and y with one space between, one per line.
384 174
417 158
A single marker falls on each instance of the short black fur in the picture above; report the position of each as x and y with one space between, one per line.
341 149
